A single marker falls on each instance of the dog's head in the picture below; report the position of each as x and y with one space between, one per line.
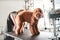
37 13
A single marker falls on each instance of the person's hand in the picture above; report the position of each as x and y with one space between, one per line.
14 28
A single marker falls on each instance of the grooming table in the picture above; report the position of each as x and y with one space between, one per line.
27 35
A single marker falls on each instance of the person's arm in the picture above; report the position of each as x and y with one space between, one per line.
13 19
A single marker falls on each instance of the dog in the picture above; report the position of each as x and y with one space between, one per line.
30 17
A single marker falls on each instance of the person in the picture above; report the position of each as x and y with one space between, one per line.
10 25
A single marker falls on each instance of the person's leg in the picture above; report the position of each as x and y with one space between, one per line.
5 37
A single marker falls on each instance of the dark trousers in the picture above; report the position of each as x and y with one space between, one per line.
7 29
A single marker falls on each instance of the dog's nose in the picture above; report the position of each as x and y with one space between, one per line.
39 14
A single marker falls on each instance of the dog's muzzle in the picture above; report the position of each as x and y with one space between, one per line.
38 15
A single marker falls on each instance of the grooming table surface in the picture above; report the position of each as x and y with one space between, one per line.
27 35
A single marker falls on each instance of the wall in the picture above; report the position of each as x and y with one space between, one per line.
57 4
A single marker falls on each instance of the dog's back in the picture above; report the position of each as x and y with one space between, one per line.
26 16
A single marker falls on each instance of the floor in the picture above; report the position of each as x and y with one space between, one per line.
1 37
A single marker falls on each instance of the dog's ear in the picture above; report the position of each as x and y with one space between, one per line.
40 10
